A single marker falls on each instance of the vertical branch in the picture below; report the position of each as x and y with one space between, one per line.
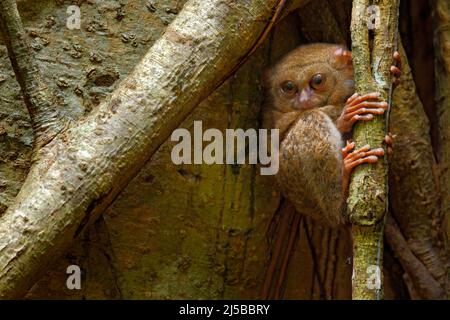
38 99
368 195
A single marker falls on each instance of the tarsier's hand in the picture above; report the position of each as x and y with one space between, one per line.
360 108
362 155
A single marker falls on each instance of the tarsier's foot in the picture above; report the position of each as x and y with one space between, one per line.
362 155
359 108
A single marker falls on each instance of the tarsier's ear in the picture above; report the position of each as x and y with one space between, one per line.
342 58
265 77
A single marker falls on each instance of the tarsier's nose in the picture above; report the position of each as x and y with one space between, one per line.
304 98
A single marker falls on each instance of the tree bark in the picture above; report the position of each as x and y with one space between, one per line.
368 195
83 169
41 105
424 285
442 69
414 185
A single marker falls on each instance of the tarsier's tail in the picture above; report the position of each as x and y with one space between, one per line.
310 173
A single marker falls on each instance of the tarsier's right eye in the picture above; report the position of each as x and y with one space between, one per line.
288 87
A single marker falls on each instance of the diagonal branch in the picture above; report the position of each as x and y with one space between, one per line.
38 99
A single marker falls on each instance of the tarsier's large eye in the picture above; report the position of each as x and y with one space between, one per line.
288 87
317 80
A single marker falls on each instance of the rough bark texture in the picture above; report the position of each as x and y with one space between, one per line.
42 107
442 47
415 28
414 197
424 285
368 195
73 182
147 245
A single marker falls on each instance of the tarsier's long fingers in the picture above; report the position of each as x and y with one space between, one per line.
366 105
358 108
349 147
389 140
362 149
398 59
396 69
356 98
366 108
353 97
362 155
362 115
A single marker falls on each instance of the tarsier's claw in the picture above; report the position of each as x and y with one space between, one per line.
356 98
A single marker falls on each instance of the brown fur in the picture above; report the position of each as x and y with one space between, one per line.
310 174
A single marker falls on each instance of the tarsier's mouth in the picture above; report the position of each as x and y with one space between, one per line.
305 105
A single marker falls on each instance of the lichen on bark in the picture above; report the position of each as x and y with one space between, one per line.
368 195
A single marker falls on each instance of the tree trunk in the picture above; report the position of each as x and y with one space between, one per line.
368 195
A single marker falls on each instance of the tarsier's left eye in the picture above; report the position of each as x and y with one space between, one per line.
288 87
317 80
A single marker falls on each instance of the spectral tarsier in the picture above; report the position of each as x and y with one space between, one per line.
311 100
